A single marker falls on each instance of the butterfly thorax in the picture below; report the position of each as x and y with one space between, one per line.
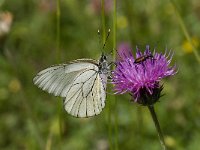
104 67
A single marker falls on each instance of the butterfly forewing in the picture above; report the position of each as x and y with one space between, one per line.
55 78
79 82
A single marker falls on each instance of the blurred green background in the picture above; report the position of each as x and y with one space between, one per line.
31 119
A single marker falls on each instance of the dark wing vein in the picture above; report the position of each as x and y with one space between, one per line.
80 91
74 80
91 89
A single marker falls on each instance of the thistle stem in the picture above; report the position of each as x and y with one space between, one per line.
58 31
109 103
58 58
157 125
114 55
103 20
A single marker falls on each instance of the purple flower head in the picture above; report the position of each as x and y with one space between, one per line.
141 75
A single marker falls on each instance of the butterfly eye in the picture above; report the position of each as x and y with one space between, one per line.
104 57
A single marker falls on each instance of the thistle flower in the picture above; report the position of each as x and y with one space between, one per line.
141 75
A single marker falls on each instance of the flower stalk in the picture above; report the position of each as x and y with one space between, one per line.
114 56
58 58
58 31
103 18
157 125
109 103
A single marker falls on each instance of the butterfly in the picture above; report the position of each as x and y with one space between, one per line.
82 84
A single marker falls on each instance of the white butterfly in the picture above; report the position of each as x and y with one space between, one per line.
82 83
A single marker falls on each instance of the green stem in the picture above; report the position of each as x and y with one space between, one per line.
114 56
116 125
157 125
139 131
49 141
58 52
185 31
110 125
114 27
58 58
103 20
109 102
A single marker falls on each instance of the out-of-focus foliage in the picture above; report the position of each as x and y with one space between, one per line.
32 119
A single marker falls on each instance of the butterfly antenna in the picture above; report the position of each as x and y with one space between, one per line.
99 36
106 38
